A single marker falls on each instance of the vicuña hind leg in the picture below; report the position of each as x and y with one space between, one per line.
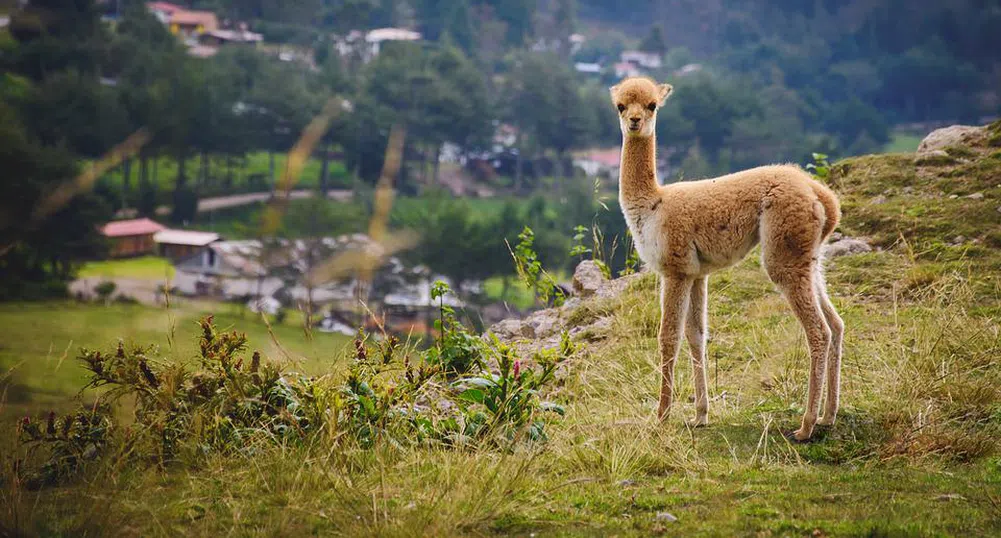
799 291
837 327
695 333
674 294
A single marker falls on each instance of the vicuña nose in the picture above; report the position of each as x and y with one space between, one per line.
634 120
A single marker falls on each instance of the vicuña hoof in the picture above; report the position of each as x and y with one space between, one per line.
697 422
824 421
801 436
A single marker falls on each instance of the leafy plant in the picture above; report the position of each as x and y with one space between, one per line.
509 399
104 290
532 274
578 249
231 403
820 167
456 351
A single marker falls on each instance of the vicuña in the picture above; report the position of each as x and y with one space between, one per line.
686 230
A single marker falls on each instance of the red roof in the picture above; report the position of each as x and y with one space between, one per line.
606 157
122 228
206 19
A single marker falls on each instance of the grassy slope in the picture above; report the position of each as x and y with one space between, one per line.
145 268
902 143
40 341
914 453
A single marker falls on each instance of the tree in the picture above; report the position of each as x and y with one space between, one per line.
654 41
53 80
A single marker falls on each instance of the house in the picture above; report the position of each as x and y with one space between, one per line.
131 237
375 38
626 69
190 25
218 38
230 269
588 68
599 162
646 60
163 10
180 244
688 69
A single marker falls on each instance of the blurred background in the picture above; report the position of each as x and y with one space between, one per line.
145 146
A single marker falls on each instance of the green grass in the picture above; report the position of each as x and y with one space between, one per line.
254 164
143 268
40 342
902 143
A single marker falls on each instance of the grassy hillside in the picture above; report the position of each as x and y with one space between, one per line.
914 452
40 342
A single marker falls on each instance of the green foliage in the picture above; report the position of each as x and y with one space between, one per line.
456 351
227 402
104 290
531 273
578 249
820 167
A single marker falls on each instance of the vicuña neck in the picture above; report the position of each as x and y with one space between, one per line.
638 168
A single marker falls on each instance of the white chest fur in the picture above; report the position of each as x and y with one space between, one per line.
643 223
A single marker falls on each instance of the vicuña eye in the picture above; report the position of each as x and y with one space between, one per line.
622 107
652 106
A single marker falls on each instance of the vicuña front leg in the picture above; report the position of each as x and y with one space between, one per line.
674 294
695 333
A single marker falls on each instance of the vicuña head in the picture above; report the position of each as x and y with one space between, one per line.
637 100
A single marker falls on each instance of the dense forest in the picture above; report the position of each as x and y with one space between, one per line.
756 82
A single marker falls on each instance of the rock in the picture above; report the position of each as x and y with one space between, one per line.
626 483
846 247
953 196
959 240
999 209
878 200
666 516
955 135
933 157
509 329
588 279
976 196
542 324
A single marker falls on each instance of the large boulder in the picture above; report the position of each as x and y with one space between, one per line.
588 278
955 135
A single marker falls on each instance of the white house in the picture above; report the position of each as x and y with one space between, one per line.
588 68
646 60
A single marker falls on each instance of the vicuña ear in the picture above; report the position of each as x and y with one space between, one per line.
612 90
665 91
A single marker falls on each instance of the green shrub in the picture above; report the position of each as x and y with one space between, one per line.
227 402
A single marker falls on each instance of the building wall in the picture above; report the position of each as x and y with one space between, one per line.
132 245
178 252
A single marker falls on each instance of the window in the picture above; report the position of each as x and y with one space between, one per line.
210 259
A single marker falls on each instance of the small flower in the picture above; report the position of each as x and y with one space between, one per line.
517 368
50 425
